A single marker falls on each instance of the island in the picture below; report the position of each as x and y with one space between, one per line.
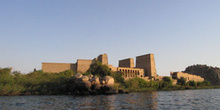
96 76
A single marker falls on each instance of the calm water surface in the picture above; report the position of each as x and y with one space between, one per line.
208 99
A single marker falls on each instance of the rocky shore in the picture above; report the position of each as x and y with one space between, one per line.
93 85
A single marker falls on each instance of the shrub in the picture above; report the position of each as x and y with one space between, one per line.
206 83
199 83
192 83
34 82
117 77
153 84
132 83
167 79
181 81
68 73
136 83
142 83
165 83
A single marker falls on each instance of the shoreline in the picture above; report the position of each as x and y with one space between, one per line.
125 91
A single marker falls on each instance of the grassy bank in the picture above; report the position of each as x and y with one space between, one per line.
140 85
15 83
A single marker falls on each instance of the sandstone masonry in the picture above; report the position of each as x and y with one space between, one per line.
187 76
145 66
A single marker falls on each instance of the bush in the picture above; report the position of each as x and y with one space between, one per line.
131 83
34 83
165 83
181 81
153 84
206 83
68 73
167 79
192 83
117 77
136 83
142 83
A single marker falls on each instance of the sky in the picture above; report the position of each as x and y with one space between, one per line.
179 33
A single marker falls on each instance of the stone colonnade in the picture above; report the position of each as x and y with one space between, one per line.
131 72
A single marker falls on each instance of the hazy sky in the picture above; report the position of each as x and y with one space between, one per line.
179 32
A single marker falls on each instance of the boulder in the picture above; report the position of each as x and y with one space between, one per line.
95 80
83 85
77 75
109 81
85 78
90 76
95 83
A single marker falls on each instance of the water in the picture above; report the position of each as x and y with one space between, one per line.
207 99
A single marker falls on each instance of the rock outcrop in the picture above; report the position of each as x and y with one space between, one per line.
108 81
211 74
92 84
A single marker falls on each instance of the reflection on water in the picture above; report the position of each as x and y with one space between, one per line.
186 99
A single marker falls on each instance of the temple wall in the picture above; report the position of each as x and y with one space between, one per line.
113 68
103 58
127 63
57 67
188 77
144 64
83 65
147 62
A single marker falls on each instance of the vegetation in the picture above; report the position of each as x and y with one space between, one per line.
192 83
97 69
14 83
165 83
181 81
37 82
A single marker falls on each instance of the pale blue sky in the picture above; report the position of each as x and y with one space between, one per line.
179 32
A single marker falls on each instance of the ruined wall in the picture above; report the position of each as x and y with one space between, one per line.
57 67
211 74
147 62
103 58
113 68
127 63
188 77
83 65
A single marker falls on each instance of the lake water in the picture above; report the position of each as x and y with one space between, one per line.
207 99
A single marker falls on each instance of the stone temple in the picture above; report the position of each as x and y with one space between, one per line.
144 68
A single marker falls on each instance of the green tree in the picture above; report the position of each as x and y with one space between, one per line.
117 77
167 80
98 69
153 84
165 83
136 83
206 83
142 83
181 81
192 83
132 83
